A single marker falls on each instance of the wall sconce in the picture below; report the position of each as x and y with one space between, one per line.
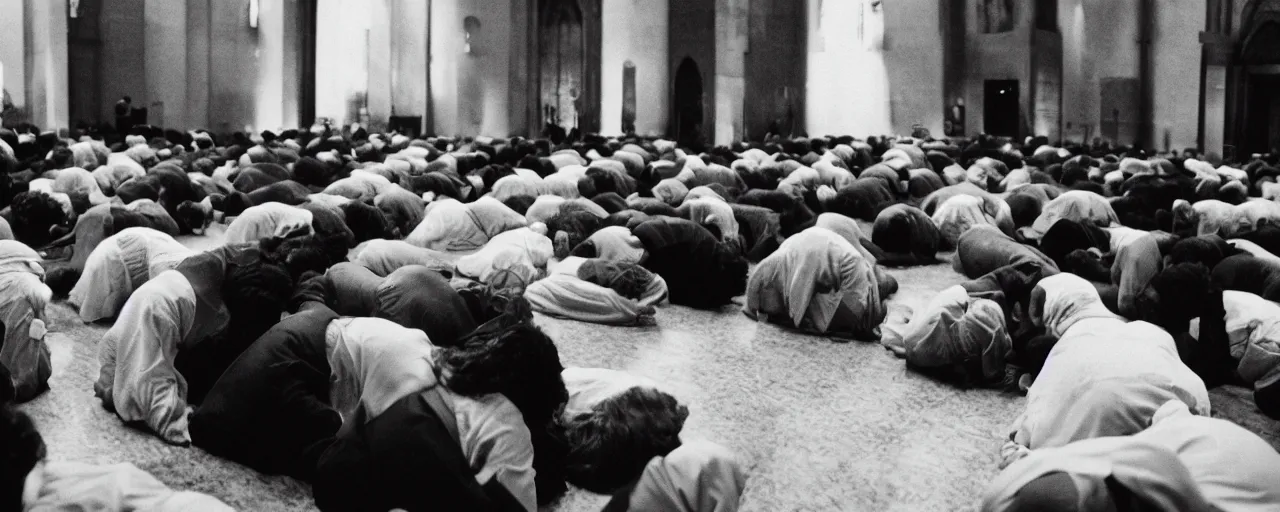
253 13
74 8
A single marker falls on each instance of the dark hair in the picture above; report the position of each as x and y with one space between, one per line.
511 356
61 280
366 222
33 213
24 448
300 255
610 446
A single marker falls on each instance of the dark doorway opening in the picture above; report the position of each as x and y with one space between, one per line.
1262 132
1000 108
688 104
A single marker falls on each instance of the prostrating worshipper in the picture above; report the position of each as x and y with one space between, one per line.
700 271
195 316
102 221
118 266
817 281
29 481
479 437
382 257
511 259
1066 236
1077 205
24 354
959 213
266 221
1208 250
1182 462
958 338
1137 259
614 424
278 406
1247 273
613 243
454 226
414 296
983 249
696 477
905 236
598 291
1104 376
760 230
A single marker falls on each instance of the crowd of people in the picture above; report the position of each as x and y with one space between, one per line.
368 324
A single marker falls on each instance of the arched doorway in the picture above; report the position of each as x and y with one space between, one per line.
1261 55
564 65
688 104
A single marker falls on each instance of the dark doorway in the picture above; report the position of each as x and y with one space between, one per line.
84 43
561 55
1262 132
306 62
688 103
1000 108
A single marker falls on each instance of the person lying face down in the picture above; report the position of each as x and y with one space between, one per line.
450 225
102 221
614 423
22 313
819 282
1248 273
1104 376
598 290
958 338
1182 462
413 296
382 257
28 481
119 265
700 271
905 236
266 221
984 249
479 435
1137 259
142 378
1076 205
697 477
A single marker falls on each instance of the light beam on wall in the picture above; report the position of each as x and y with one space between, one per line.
253 13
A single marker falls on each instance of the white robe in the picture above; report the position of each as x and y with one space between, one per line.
119 265
137 376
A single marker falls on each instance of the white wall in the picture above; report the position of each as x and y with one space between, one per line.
166 63
635 30
47 25
12 45
848 83
1176 72
483 107
342 52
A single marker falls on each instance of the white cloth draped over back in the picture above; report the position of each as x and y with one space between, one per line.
563 294
1105 376
137 354
810 276
22 308
268 220
696 477
1183 462
1253 328
119 265
79 486
375 362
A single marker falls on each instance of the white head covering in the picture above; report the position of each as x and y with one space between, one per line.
1068 299
374 362
696 477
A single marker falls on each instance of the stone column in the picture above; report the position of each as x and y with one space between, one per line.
732 18
166 63
13 44
45 35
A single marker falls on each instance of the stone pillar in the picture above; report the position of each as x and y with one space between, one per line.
46 62
409 29
196 109
166 63
732 18
381 58
13 45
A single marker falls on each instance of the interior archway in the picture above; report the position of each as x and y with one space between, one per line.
1261 56
564 66
688 107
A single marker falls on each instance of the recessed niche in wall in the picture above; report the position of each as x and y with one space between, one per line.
995 16
628 97
470 34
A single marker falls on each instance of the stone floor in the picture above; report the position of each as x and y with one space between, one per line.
821 425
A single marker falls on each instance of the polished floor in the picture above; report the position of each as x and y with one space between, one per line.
821 425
